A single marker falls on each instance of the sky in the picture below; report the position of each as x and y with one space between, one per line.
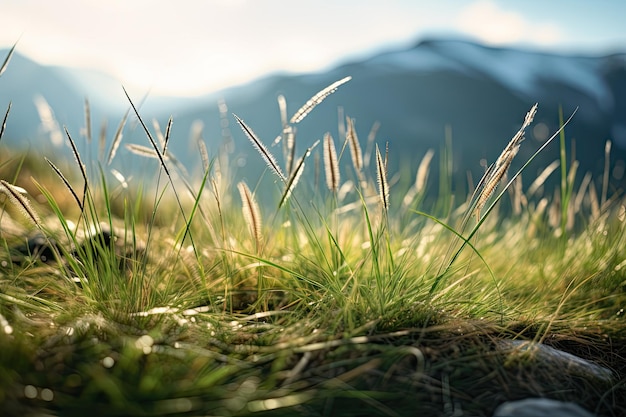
193 47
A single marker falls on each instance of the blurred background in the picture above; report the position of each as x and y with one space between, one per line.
425 75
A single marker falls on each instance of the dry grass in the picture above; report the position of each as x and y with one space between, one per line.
16 196
381 175
331 164
496 172
316 99
251 213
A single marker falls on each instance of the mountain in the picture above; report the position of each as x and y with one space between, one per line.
480 93
477 94
43 100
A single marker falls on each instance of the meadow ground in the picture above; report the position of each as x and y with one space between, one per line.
355 293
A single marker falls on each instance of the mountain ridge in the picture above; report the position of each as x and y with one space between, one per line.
479 93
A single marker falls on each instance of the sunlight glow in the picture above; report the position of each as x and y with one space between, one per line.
197 47
487 21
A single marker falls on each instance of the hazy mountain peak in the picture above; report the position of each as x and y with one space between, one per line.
480 92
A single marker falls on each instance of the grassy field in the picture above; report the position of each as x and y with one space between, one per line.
355 293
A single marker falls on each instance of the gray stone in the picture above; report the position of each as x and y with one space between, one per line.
566 362
540 407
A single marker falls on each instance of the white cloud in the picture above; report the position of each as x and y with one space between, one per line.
195 46
485 20
199 45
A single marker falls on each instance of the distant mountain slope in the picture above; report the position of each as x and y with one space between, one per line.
28 85
481 93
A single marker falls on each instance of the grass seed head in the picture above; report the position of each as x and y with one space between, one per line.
497 171
117 138
355 146
265 153
17 198
331 164
317 99
66 183
383 185
251 212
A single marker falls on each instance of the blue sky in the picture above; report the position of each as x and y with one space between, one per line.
197 46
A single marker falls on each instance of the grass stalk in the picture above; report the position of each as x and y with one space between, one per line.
481 220
317 99
4 121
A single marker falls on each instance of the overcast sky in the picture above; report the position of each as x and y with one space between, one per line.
196 46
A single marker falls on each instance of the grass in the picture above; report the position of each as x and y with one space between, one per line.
344 298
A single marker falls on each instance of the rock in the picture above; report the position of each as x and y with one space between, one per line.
40 247
540 407
37 247
565 362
